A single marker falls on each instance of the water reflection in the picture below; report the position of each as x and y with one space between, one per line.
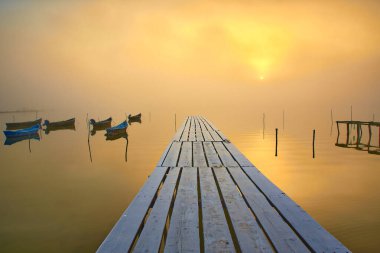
362 136
12 140
59 125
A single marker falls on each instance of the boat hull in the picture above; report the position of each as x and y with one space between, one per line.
22 132
64 123
22 125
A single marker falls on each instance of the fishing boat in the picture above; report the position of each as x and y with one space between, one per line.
134 117
117 129
64 123
12 140
22 125
104 123
22 132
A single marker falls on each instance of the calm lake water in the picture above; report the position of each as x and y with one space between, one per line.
55 199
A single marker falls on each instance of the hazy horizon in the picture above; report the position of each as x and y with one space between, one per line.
199 56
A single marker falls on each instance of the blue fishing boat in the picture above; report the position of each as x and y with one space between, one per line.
117 129
22 132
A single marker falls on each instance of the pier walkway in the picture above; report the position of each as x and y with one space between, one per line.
205 196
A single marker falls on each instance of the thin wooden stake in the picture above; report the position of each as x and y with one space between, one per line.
313 143
351 112
276 140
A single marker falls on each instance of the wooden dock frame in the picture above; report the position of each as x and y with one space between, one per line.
359 133
205 196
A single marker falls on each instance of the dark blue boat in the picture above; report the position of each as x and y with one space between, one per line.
22 132
117 129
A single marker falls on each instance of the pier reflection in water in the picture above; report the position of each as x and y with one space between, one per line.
360 135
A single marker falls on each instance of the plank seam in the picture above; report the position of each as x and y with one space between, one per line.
227 215
252 212
200 214
168 217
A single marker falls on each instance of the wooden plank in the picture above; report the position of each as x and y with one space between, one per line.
224 155
212 131
185 134
282 236
172 156
198 130
151 235
163 156
122 235
239 157
217 237
249 234
306 227
183 235
192 130
177 136
206 134
185 158
211 155
199 155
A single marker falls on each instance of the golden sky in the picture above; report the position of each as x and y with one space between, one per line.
240 53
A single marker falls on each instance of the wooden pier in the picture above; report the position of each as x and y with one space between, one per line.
205 196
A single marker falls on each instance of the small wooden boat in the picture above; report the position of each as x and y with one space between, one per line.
22 125
12 140
134 117
64 123
22 132
104 123
117 129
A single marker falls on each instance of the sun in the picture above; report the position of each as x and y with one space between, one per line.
261 77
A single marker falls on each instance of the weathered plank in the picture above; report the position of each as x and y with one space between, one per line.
217 237
281 235
151 235
122 235
239 157
178 134
307 228
183 235
211 155
250 236
185 158
172 156
224 155
199 155
206 134
185 134
192 130
212 131
163 156
198 130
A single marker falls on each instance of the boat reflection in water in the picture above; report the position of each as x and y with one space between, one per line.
137 120
12 140
113 137
100 125
360 135
59 125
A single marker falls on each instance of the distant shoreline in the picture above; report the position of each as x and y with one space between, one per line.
19 111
